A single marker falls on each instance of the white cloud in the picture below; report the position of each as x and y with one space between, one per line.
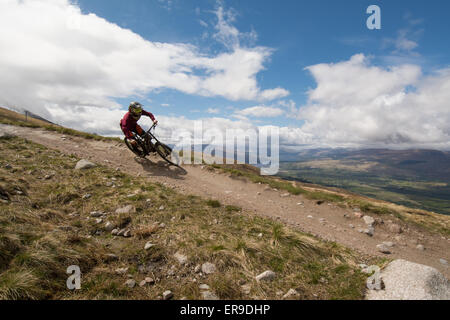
58 57
213 110
357 104
165 105
261 112
407 37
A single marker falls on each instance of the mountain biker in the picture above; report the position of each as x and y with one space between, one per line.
129 124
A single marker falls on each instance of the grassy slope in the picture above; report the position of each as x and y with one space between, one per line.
45 227
17 119
427 195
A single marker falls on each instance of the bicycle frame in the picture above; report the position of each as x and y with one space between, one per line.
146 138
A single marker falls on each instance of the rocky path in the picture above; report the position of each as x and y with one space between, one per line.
326 221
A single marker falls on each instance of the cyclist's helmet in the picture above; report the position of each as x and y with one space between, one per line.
135 110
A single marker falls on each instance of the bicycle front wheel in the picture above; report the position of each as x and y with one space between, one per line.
166 153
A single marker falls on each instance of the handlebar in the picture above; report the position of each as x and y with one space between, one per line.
152 127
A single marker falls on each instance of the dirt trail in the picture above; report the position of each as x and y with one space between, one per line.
255 198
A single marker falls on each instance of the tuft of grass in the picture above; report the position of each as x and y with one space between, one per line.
213 203
20 285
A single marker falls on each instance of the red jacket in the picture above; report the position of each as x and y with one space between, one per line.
128 123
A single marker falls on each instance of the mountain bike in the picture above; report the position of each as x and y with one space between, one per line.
148 144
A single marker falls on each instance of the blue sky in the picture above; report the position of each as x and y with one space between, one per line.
302 33
311 68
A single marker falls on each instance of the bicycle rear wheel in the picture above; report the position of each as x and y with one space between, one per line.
137 151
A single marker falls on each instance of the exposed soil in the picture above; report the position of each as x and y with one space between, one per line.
257 199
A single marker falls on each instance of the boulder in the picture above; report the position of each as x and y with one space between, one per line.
181 258
203 287
6 135
121 270
369 220
383 248
208 268
130 283
167 295
148 245
96 214
404 280
266 276
126 209
291 294
395 228
208 295
109 226
84 164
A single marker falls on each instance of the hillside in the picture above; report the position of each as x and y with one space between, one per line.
54 216
311 236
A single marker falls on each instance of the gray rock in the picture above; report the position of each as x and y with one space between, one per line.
420 247
383 248
291 294
121 270
84 164
149 280
246 289
395 228
142 283
167 295
127 234
444 262
115 232
109 226
181 258
208 295
389 244
6 135
148 245
121 232
208 268
130 283
203 287
369 231
369 220
370 269
126 209
266 276
404 280
96 214
197 268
